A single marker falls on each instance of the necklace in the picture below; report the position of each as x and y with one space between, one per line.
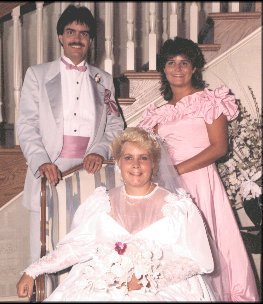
136 199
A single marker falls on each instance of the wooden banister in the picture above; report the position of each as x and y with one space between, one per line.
79 167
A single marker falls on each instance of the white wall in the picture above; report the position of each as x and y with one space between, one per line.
238 68
14 245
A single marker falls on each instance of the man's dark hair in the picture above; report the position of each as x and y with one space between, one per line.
80 14
186 47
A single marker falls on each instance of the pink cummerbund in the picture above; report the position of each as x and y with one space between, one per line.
74 146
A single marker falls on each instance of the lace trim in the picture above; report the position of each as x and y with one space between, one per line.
53 262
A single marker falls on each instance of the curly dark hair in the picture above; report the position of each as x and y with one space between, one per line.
80 14
186 47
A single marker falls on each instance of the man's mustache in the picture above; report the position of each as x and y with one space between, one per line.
76 44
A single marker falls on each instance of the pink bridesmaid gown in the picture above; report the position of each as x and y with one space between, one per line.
183 127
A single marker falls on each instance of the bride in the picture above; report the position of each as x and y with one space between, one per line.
137 242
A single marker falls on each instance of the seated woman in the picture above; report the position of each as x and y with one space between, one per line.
137 242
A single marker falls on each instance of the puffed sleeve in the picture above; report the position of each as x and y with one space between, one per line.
96 202
64 256
193 241
151 117
79 244
217 102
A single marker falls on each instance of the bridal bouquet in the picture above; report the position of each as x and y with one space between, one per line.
140 258
114 264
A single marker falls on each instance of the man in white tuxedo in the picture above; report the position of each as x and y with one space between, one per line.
67 114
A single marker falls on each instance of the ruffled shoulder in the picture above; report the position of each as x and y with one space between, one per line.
98 201
213 103
153 116
206 104
177 203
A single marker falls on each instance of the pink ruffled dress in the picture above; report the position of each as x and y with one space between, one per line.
183 126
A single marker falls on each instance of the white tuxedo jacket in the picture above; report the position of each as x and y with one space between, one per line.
40 120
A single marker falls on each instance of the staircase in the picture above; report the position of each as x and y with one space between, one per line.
144 86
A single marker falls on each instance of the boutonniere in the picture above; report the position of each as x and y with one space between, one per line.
97 77
112 106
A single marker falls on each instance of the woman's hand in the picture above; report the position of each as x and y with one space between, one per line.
25 286
134 284
155 129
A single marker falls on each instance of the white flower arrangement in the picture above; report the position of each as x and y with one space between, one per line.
241 169
123 260
113 266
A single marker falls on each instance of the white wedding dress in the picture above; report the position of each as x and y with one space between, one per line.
160 237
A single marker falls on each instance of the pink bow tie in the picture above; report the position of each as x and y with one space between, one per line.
70 66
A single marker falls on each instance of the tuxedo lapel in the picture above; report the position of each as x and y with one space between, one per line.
98 92
53 88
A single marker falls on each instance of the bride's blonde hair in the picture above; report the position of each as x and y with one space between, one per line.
141 138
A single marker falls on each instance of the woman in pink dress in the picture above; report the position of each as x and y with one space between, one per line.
193 124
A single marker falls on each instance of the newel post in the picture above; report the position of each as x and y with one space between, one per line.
17 61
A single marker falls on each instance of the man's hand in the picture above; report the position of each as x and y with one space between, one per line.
93 162
51 172
25 286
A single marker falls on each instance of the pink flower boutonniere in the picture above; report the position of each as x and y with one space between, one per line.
112 106
120 247
97 77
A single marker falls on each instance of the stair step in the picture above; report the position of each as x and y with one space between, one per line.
210 47
234 16
13 299
229 29
142 75
125 101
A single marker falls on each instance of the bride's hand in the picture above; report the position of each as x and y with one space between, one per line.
134 284
25 286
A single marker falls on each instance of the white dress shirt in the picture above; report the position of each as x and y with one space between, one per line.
78 104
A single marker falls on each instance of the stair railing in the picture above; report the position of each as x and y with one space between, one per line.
152 22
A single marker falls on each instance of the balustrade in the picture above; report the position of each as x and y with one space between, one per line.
108 36
147 24
17 59
130 34
173 20
152 37
39 13
194 21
